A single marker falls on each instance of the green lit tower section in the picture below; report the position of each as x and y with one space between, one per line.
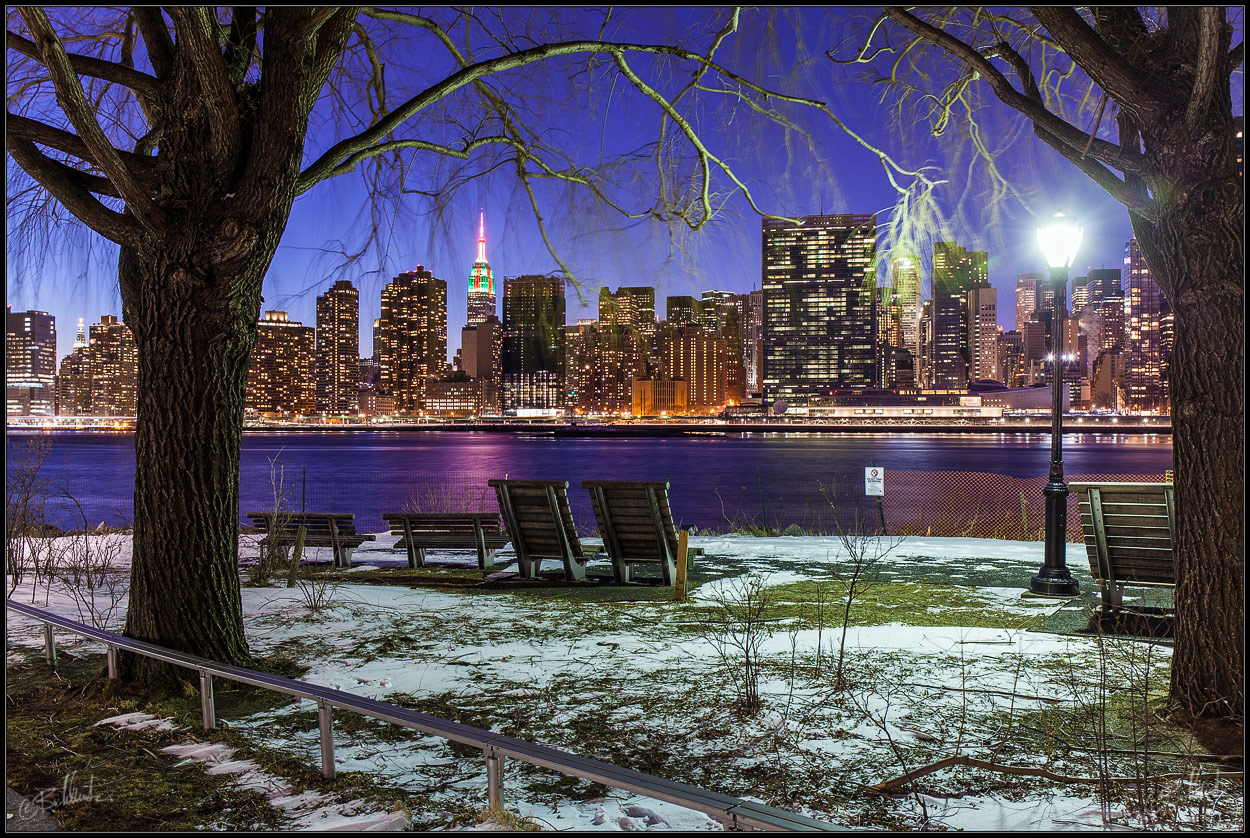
481 282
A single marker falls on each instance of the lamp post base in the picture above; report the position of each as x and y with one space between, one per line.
1054 579
1057 585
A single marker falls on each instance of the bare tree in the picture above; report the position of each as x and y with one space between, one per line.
1140 100
182 135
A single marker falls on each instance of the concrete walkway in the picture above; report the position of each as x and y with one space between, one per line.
21 814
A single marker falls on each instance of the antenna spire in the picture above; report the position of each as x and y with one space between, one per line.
481 237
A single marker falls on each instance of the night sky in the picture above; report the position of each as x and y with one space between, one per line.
834 175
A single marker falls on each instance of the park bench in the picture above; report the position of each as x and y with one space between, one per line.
421 531
321 529
636 521
1129 530
540 523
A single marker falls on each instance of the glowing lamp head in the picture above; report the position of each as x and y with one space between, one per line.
1059 241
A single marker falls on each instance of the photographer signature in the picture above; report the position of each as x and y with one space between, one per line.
69 793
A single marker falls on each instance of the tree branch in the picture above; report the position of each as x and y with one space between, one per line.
1107 68
156 38
1027 771
73 102
241 42
1207 61
1059 128
1236 55
198 47
69 188
1101 175
85 65
72 144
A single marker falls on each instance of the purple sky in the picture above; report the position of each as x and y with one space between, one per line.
835 176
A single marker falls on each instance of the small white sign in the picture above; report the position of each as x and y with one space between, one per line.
874 481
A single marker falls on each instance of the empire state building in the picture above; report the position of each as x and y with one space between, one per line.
482 302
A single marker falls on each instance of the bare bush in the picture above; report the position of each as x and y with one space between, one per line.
26 512
737 630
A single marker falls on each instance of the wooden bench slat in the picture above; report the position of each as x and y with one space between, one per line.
1128 535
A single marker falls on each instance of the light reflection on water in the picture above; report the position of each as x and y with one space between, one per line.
713 478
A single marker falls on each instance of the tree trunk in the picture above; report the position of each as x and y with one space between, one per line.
195 332
1196 253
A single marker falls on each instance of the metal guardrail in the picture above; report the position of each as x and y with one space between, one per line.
732 812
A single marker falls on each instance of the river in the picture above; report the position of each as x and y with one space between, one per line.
720 482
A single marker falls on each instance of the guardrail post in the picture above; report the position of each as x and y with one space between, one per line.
49 645
494 779
112 658
207 711
326 722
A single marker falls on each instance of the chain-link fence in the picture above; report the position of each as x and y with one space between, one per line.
937 503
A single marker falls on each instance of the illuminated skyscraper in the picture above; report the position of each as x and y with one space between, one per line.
1026 297
113 361
30 363
603 361
73 382
1143 352
1079 296
630 307
819 283
482 299
956 272
700 358
338 349
905 282
983 334
280 375
411 337
533 343
481 352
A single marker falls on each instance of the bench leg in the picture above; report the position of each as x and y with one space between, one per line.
343 557
668 568
486 559
574 570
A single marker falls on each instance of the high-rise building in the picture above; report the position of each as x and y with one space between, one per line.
113 361
698 357
1011 357
754 341
411 337
1026 297
338 349
725 313
1080 293
683 311
905 281
280 379
956 271
30 363
1100 284
481 357
482 300
533 343
630 307
819 330
603 361
983 333
73 382
1143 355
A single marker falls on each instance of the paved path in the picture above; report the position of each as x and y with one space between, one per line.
22 815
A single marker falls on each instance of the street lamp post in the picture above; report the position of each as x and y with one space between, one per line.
1059 241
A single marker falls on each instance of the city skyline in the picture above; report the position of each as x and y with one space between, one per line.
79 279
301 306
